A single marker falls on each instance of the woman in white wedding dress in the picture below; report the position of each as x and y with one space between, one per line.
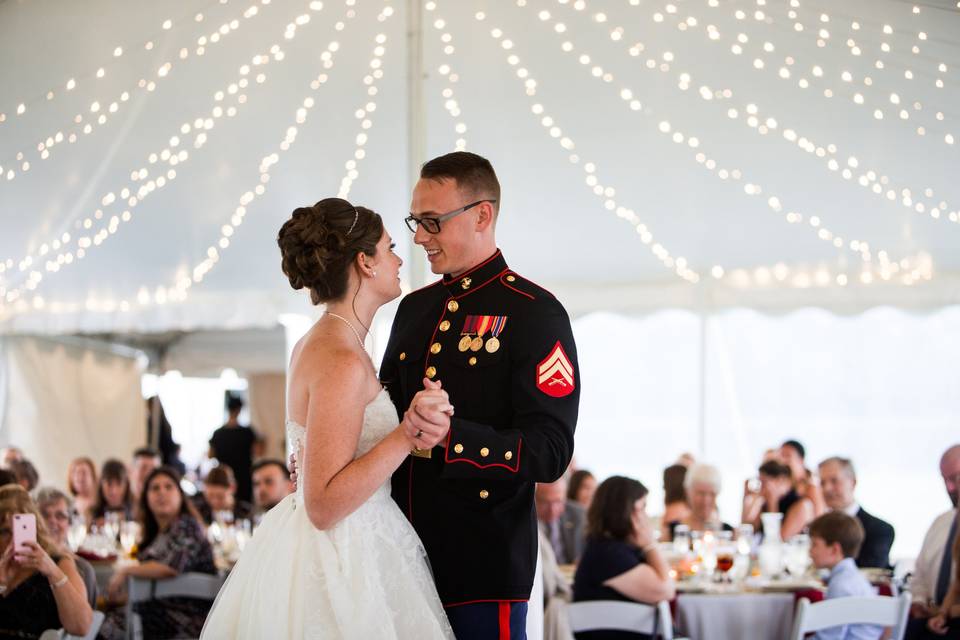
337 559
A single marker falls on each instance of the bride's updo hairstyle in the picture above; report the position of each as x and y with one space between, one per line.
318 245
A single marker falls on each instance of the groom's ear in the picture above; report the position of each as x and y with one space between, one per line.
485 216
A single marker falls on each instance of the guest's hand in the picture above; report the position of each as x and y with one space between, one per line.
920 610
292 467
938 624
36 559
7 568
642 530
427 421
117 585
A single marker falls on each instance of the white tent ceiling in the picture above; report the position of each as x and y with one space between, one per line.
553 227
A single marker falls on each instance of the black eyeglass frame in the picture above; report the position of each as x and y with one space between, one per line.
432 225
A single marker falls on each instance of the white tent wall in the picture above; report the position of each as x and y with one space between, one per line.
65 400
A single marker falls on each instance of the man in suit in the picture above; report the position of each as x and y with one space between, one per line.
562 521
838 479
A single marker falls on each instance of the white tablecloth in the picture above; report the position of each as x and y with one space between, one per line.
753 616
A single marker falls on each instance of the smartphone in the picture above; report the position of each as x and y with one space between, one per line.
24 528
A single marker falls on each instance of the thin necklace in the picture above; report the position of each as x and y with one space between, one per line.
352 328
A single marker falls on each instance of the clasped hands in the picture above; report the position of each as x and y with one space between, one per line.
427 421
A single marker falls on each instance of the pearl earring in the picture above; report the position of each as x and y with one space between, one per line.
374 274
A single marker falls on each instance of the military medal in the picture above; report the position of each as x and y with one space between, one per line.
469 328
482 326
464 343
493 344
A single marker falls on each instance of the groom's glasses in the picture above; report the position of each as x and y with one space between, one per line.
432 225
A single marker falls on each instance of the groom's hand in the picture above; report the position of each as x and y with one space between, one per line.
292 467
427 421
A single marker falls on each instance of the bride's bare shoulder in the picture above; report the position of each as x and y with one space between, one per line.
318 360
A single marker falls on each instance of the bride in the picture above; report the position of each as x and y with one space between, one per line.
337 559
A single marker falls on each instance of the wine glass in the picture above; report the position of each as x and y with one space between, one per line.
726 552
681 539
77 533
798 554
111 525
129 534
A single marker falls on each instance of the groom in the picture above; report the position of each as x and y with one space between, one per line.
503 349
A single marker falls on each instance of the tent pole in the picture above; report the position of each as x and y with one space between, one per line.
416 120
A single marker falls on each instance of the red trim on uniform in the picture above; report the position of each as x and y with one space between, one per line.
472 270
504 611
523 293
460 604
513 469
478 287
426 360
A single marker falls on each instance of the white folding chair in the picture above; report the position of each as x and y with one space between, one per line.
202 586
877 610
60 634
615 615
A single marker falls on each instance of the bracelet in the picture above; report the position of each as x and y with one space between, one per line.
59 583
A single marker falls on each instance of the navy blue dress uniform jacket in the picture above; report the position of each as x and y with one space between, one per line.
516 390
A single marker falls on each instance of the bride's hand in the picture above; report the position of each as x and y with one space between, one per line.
427 421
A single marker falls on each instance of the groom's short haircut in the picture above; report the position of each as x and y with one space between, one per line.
474 175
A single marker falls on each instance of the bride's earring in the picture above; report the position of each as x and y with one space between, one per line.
374 274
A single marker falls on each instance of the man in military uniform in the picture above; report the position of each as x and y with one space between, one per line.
503 350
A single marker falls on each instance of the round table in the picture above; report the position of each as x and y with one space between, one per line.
734 616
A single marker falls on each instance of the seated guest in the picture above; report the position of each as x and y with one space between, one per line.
777 494
113 492
582 487
931 573
702 484
793 454
675 504
946 624
40 587
9 455
145 460
219 494
562 521
835 540
271 484
621 560
838 481
82 485
173 542
7 477
56 509
26 473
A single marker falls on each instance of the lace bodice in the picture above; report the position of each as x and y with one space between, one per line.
379 419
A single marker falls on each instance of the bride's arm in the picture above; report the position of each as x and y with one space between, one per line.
335 484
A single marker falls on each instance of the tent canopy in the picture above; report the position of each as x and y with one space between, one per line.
651 156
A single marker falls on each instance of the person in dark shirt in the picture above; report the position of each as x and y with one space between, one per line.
219 495
236 446
621 560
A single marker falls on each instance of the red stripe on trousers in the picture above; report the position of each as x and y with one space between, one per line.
504 620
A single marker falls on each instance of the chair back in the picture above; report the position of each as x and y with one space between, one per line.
60 634
202 586
616 615
875 610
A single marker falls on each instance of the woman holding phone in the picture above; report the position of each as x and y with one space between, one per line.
40 587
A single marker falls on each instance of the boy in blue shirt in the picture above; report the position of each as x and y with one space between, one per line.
835 540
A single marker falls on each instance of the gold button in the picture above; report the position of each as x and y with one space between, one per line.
458 448
403 356
452 306
435 348
510 278
445 325
484 452
484 494
431 372
465 283
508 455
472 361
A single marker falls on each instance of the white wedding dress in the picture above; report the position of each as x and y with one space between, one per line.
365 578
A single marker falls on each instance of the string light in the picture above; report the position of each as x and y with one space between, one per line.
450 77
750 188
101 111
606 194
132 195
759 64
850 168
186 280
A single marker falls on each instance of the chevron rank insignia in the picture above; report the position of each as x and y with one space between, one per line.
555 373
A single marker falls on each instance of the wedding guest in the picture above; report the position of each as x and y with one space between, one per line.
562 521
26 473
145 460
7 477
702 485
113 492
582 487
621 560
835 540
946 623
237 445
838 479
57 512
9 455
675 504
82 485
271 484
793 454
219 495
40 587
931 573
173 542
777 494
